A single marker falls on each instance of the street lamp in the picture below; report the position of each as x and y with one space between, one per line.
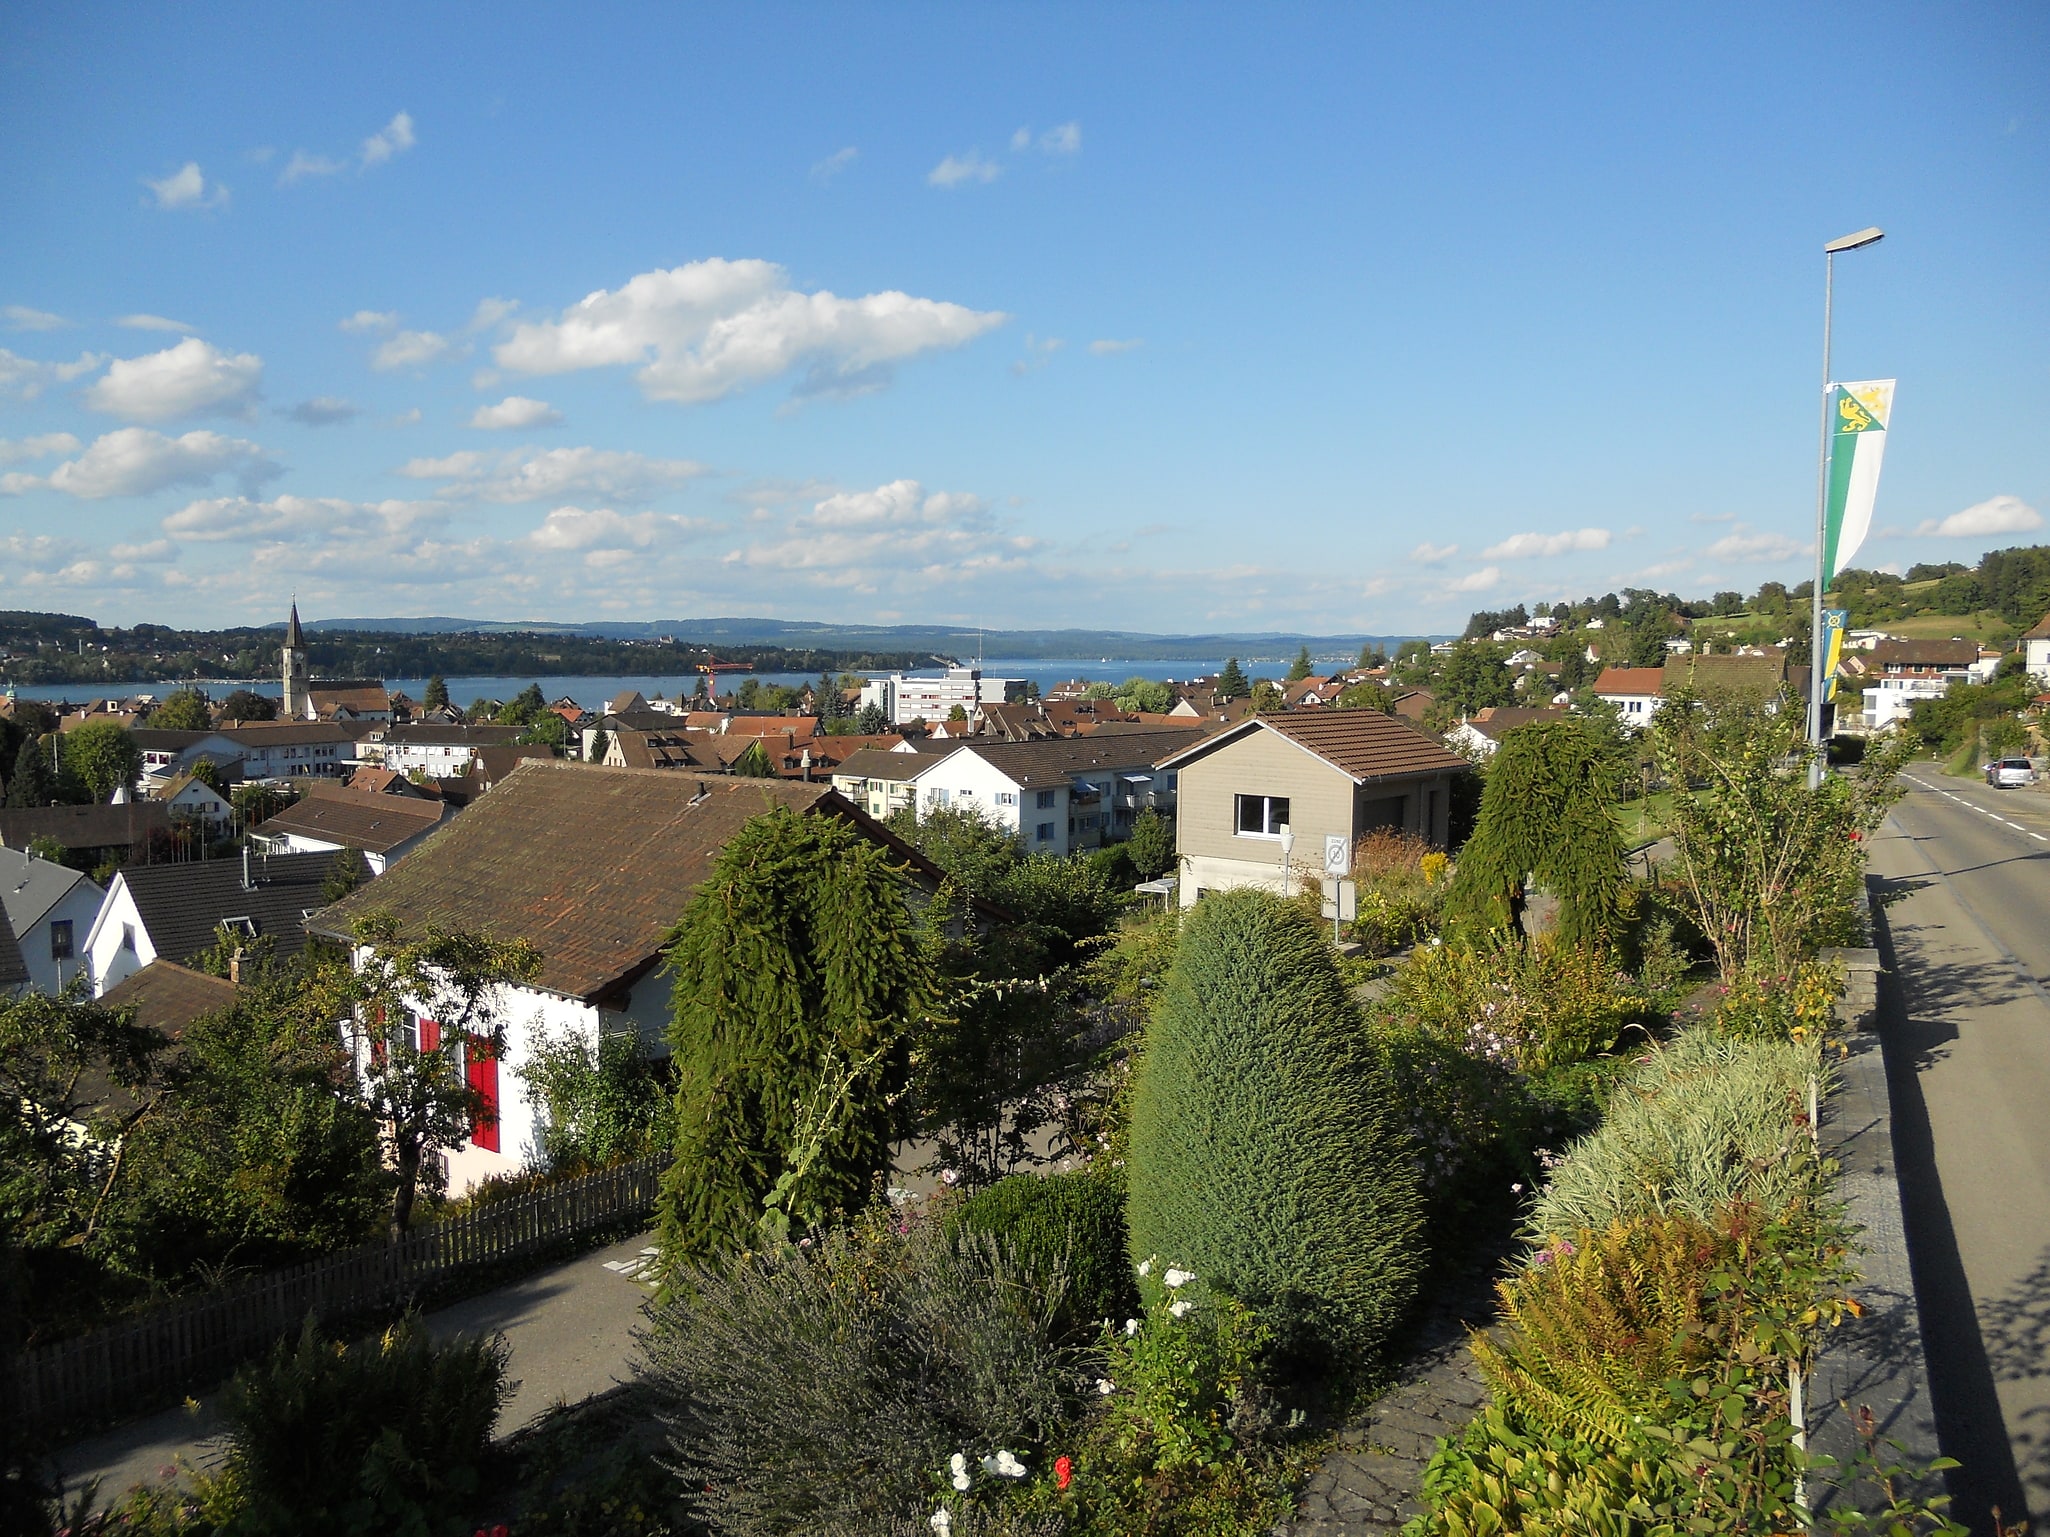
1817 683
1287 848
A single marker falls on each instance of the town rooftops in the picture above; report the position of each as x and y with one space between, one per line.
478 735
183 904
2041 631
1497 721
1057 761
356 819
362 695
590 865
30 887
168 997
85 827
1951 655
287 733
880 763
1617 682
1364 745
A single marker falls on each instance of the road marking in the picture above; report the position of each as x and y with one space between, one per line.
2027 978
1991 816
637 1268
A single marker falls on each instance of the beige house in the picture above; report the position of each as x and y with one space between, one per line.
1316 774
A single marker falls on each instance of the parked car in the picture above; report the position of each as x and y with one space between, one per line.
2010 774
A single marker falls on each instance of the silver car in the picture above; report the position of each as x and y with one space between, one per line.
2010 774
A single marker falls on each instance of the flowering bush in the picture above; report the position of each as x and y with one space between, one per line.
1401 885
1800 1006
1530 1004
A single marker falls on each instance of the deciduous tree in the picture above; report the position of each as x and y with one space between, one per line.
101 757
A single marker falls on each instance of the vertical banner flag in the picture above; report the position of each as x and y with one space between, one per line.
1859 415
1833 622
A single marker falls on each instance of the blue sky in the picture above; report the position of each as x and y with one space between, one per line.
1170 318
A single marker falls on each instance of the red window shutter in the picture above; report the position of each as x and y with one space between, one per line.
430 1034
481 1066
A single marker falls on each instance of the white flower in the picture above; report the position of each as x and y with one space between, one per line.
950 1177
1176 1278
1146 1267
1131 1327
1105 1386
1003 1465
957 1465
943 1522
1179 1308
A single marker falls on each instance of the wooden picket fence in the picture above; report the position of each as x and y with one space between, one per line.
190 1343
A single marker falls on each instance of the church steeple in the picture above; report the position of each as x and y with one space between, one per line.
293 637
292 663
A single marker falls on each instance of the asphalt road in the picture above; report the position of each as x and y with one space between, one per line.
1964 883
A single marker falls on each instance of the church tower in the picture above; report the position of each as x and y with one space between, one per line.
294 665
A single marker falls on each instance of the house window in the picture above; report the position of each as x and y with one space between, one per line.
1261 816
1044 834
60 939
128 937
480 1069
1007 797
941 797
1045 800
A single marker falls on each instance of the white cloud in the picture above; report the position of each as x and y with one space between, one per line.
186 380
1021 139
134 461
957 170
1429 554
370 320
490 312
415 349
20 450
1711 517
1064 140
1745 546
19 317
600 528
861 538
557 474
293 518
26 378
323 411
1109 347
1477 581
1532 546
153 323
515 413
151 552
711 328
186 187
303 165
394 138
835 163
1995 515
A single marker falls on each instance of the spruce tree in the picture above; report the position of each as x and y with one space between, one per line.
1299 669
1267 1152
437 693
33 782
799 971
1231 683
1548 813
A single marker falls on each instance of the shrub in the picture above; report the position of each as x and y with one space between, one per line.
1705 1122
1072 1224
1401 890
1532 1004
383 1436
824 1389
1785 1008
599 1107
1266 1151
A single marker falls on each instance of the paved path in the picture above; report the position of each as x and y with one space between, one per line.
571 1331
1965 883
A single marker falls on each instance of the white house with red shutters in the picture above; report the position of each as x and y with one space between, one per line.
591 866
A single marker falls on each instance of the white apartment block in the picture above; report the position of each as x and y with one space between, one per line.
1059 796
934 699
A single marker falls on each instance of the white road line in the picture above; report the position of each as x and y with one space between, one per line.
1991 816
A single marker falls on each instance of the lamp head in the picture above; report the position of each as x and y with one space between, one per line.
1864 237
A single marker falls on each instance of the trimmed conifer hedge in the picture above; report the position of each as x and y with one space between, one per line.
1267 1155
1072 1223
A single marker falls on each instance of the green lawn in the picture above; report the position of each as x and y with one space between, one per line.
1644 819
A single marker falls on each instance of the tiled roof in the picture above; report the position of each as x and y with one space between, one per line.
2041 631
875 763
287 733
480 735
13 970
1054 762
384 781
356 819
30 887
182 904
1497 721
1925 653
1631 680
168 997
590 865
1364 745
85 827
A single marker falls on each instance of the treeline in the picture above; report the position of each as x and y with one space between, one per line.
66 648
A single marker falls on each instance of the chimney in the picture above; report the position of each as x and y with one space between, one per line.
247 883
235 967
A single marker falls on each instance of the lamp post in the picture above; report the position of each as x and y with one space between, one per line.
1287 848
1817 683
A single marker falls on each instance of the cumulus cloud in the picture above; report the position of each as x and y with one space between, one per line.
189 379
835 163
394 138
959 170
1532 546
292 518
19 317
415 349
1111 347
1477 581
515 413
1744 545
43 446
598 531
1995 515
323 411
370 320
1429 554
154 323
135 461
490 312
1063 140
711 328
556 474
858 538
26 378
151 552
186 187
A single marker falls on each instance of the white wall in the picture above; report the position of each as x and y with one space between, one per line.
966 780
80 906
112 957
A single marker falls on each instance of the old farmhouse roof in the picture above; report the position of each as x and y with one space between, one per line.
1497 721
2041 631
168 997
356 819
183 904
1953 654
880 763
590 865
85 827
1364 745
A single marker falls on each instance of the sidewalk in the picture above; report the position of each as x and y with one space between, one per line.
570 1328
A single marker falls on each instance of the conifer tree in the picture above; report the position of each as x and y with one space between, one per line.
1299 669
1547 812
1267 1152
437 693
1231 683
754 763
32 783
798 971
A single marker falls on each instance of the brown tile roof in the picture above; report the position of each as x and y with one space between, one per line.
2040 632
1364 745
85 827
168 997
1925 653
1631 680
356 819
363 695
1498 720
798 727
871 763
590 865
288 733
1056 761
384 781
1412 704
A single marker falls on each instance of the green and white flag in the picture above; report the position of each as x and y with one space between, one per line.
1859 415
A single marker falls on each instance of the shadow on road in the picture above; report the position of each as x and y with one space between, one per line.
2017 1331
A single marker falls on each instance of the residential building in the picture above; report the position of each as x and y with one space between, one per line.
1291 780
880 781
440 752
1480 734
1896 675
88 834
591 866
2036 652
1636 692
907 699
173 912
167 997
49 909
382 828
13 969
194 800
290 749
1057 797
167 754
